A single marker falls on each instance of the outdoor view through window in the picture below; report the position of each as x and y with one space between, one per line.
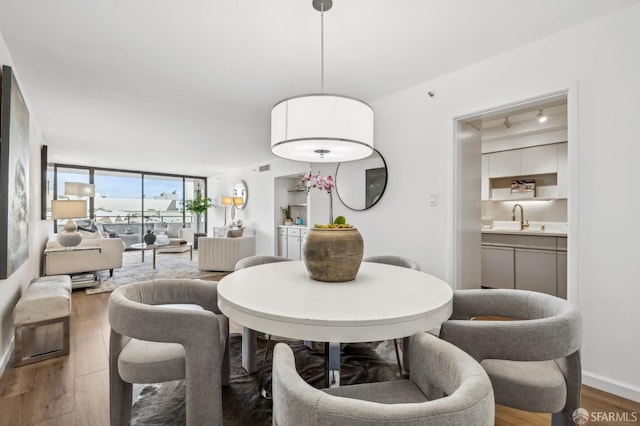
129 203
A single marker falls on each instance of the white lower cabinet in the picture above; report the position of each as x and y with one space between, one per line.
294 244
282 242
290 242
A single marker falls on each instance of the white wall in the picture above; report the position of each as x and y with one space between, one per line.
11 288
415 134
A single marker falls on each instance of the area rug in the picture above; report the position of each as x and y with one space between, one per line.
164 403
168 265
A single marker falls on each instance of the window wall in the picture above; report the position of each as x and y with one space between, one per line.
127 203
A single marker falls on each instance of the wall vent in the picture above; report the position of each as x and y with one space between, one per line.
264 168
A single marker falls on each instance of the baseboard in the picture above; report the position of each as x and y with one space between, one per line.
7 356
621 389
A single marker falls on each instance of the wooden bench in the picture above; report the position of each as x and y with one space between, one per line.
47 301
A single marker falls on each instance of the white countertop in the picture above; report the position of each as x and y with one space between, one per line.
525 232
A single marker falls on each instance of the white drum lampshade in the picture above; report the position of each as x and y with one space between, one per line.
69 209
322 128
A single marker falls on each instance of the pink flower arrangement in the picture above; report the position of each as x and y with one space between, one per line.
323 184
316 181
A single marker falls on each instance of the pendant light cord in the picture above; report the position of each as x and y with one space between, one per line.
322 47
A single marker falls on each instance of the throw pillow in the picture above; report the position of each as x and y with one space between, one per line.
112 234
234 233
89 235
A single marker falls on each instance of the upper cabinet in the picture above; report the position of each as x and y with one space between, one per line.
535 160
544 164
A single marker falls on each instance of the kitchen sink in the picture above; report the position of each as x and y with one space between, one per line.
506 225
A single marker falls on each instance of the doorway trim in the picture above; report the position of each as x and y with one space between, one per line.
459 190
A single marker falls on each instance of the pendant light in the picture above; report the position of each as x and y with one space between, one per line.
322 127
541 117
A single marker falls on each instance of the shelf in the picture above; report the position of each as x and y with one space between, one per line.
297 205
297 190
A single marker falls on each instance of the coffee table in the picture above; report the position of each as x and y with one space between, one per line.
383 302
155 247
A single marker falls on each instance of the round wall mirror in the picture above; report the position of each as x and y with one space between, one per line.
240 194
361 183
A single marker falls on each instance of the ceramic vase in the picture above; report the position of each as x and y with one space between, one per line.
149 238
333 254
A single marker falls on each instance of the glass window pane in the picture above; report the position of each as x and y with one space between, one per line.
191 189
162 200
118 204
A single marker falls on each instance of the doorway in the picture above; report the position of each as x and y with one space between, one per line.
478 200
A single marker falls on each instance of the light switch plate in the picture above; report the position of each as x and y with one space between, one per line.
433 199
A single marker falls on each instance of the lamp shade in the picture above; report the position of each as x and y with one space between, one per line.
68 209
79 188
225 200
322 128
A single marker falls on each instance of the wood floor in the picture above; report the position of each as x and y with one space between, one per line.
73 390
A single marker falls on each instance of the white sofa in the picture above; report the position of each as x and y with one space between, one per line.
59 261
222 253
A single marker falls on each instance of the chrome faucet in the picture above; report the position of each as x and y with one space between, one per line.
513 217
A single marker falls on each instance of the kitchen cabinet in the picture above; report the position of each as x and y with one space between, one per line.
539 160
484 178
294 244
504 163
535 270
282 242
498 267
546 164
525 262
290 241
563 170
561 268
534 160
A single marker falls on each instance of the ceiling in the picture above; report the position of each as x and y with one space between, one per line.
187 86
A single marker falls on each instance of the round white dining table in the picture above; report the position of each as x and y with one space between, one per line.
383 302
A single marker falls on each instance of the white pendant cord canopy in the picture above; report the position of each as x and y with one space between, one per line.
322 127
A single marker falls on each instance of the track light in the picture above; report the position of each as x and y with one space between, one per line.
541 117
506 123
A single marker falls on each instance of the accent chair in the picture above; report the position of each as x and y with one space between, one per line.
534 361
446 387
165 330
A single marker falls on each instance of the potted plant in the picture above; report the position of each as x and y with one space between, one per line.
199 205
286 211
333 251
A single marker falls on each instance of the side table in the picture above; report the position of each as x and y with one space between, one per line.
155 247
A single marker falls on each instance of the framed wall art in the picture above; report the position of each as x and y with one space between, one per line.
14 175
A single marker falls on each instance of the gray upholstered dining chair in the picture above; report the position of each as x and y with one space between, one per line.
446 387
250 337
165 330
534 361
403 262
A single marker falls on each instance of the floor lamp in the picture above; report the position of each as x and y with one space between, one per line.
226 201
